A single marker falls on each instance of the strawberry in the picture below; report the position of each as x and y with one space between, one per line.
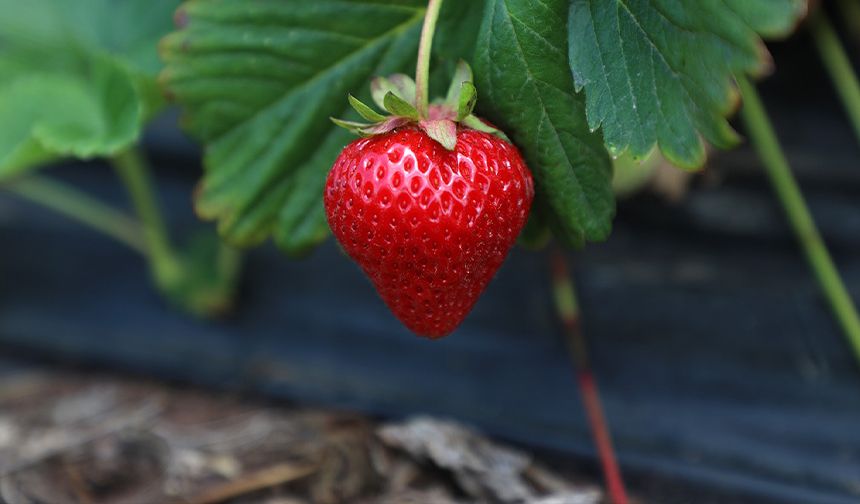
428 208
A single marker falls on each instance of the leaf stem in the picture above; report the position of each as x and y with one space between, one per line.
838 65
567 309
81 207
134 173
765 142
422 69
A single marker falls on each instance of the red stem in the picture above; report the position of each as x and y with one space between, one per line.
602 438
568 311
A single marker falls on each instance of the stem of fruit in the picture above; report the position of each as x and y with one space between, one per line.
134 173
838 65
763 138
422 70
567 309
81 207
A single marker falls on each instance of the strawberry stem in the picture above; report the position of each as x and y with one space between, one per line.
81 207
838 65
422 69
133 170
763 139
567 309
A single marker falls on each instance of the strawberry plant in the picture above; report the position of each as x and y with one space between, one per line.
452 167
568 83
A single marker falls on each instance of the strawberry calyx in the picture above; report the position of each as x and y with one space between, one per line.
395 94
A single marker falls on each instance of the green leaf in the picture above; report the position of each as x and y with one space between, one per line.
77 77
44 116
771 18
527 90
660 71
457 30
127 29
454 41
258 82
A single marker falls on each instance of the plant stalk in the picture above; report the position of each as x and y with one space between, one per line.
422 70
81 207
134 173
567 309
838 65
763 138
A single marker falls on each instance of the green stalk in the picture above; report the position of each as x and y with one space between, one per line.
134 173
422 70
80 207
766 144
838 65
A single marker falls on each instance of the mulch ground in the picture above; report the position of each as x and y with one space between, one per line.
69 437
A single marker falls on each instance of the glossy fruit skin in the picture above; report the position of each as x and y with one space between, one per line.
429 227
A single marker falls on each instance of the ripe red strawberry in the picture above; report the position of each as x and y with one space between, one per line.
429 226
430 203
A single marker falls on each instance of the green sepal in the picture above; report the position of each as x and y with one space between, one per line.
396 95
364 110
398 106
352 126
400 84
404 86
348 124
364 129
472 121
466 101
463 73
443 131
390 123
